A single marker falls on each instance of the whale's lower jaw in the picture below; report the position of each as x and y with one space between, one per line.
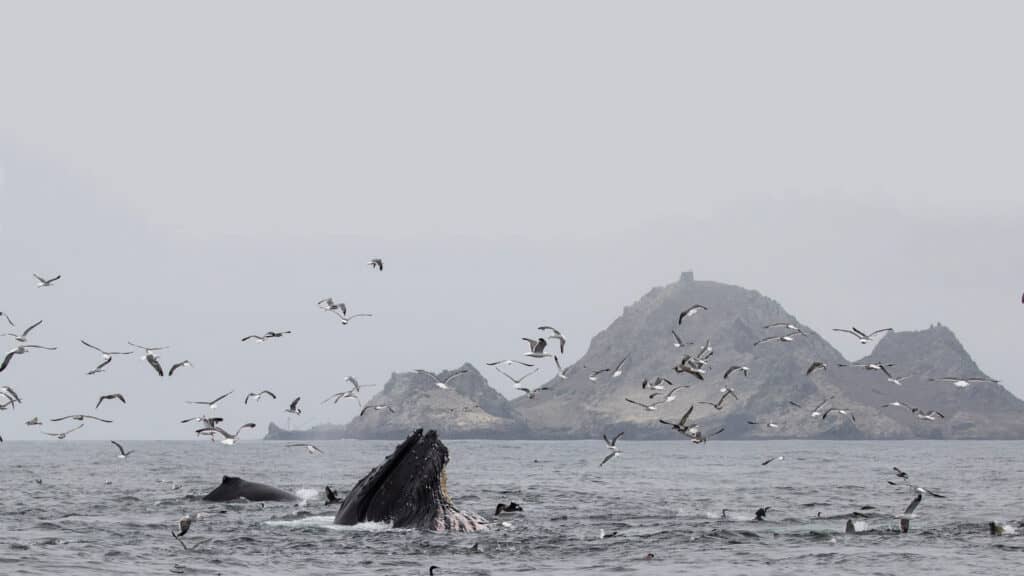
409 490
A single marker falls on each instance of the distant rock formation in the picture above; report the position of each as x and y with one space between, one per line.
735 320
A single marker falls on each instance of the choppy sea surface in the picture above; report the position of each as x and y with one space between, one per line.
72 507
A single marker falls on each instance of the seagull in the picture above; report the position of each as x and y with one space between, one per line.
817 409
23 337
684 367
698 437
10 393
376 264
8 318
920 490
610 444
346 319
593 375
901 473
657 385
894 380
843 411
680 426
690 312
212 403
34 422
123 455
726 393
770 460
44 283
153 359
228 439
783 338
377 407
861 336
769 424
961 382
531 394
210 422
563 374
293 408
510 363
63 435
618 367
259 395
328 305
870 366
929 415
678 342
21 349
517 380
185 364
185 523
355 384
651 407
110 397
266 336
898 404
536 348
443 384
786 325
309 448
908 513
108 357
732 369
555 335
80 418
816 366
343 395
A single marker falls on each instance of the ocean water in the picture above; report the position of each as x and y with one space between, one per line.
71 507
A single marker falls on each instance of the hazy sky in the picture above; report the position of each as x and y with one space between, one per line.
202 171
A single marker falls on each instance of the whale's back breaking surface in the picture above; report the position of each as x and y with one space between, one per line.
408 490
234 488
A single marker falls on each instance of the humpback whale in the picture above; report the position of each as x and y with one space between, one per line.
232 488
409 490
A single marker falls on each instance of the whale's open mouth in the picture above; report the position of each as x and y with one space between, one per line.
408 490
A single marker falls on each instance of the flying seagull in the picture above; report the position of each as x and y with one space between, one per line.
908 513
555 335
123 454
770 424
110 397
690 312
786 325
618 367
593 375
678 342
45 283
8 318
10 393
521 378
376 264
929 415
816 366
509 363
328 305
530 393
698 437
342 395
563 374
610 444
21 349
293 408
861 336
153 359
651 407
184 364
346 319
721 401
34 422
108 357
266 336
783 338
313 450
770 460
228 439
843 411
744 369
817 409
376 407
680 426
443 384
23 337
961 382
212 403
63 435
80 418
536 348
259 395
901 474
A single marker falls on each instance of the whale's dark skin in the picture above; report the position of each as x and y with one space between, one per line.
409 491
232 488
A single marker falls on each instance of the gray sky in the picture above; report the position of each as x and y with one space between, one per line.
202 171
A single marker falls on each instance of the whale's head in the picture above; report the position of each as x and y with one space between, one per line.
408 490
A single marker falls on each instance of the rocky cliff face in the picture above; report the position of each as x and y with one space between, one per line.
736 318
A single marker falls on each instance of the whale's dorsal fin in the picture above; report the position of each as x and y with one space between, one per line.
226 479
